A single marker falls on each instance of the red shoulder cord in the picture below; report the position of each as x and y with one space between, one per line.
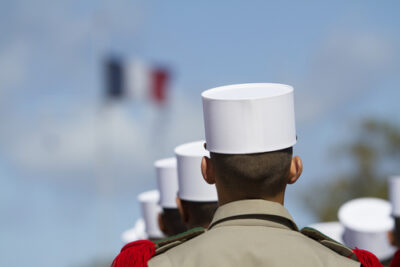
396 259
366 258
135 254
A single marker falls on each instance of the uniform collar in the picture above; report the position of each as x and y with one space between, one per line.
253 207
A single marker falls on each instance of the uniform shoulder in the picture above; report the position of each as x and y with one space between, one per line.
164 245
159 261
331 244
147 253
167 249
161 258
328 242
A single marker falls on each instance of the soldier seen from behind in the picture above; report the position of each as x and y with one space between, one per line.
250 133
197 200
169 219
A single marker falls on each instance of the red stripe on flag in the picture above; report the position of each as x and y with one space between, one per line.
159 83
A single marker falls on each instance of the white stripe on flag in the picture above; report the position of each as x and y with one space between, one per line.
138 79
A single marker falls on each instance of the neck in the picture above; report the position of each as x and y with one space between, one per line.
227 197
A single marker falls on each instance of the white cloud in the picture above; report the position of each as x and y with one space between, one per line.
74 142
91 139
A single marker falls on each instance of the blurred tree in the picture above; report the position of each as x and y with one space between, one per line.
374 156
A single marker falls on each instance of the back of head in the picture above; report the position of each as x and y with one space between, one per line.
199 214
172 222
256 175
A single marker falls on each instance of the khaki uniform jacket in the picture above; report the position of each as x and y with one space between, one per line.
251 233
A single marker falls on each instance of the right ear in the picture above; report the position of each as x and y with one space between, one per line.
207 170
184 214
296 168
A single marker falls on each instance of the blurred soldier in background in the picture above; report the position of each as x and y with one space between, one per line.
197 200
169 219
147 226
394 235
149 202
137 232
366 222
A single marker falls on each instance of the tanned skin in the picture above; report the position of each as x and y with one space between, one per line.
226 196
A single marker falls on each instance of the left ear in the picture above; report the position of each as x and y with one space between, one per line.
296 168
207 170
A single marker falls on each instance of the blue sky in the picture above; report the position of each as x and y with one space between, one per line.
56 142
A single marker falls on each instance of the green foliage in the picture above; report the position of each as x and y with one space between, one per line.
378 144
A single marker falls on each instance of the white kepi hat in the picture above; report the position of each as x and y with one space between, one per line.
192 186
167 181
135 233
333 230
366 222
150 210
394 195
249 118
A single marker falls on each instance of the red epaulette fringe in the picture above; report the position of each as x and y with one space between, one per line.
396 259
366 258
135 254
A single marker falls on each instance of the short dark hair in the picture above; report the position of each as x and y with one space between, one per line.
397 230
200 212
172 221
253 175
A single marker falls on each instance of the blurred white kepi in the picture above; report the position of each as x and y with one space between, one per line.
333 230
394 196
366 223
147 226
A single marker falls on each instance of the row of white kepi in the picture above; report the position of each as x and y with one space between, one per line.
363 223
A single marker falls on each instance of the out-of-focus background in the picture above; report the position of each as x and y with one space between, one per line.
75 153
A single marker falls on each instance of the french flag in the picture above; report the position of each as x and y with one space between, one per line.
136 80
